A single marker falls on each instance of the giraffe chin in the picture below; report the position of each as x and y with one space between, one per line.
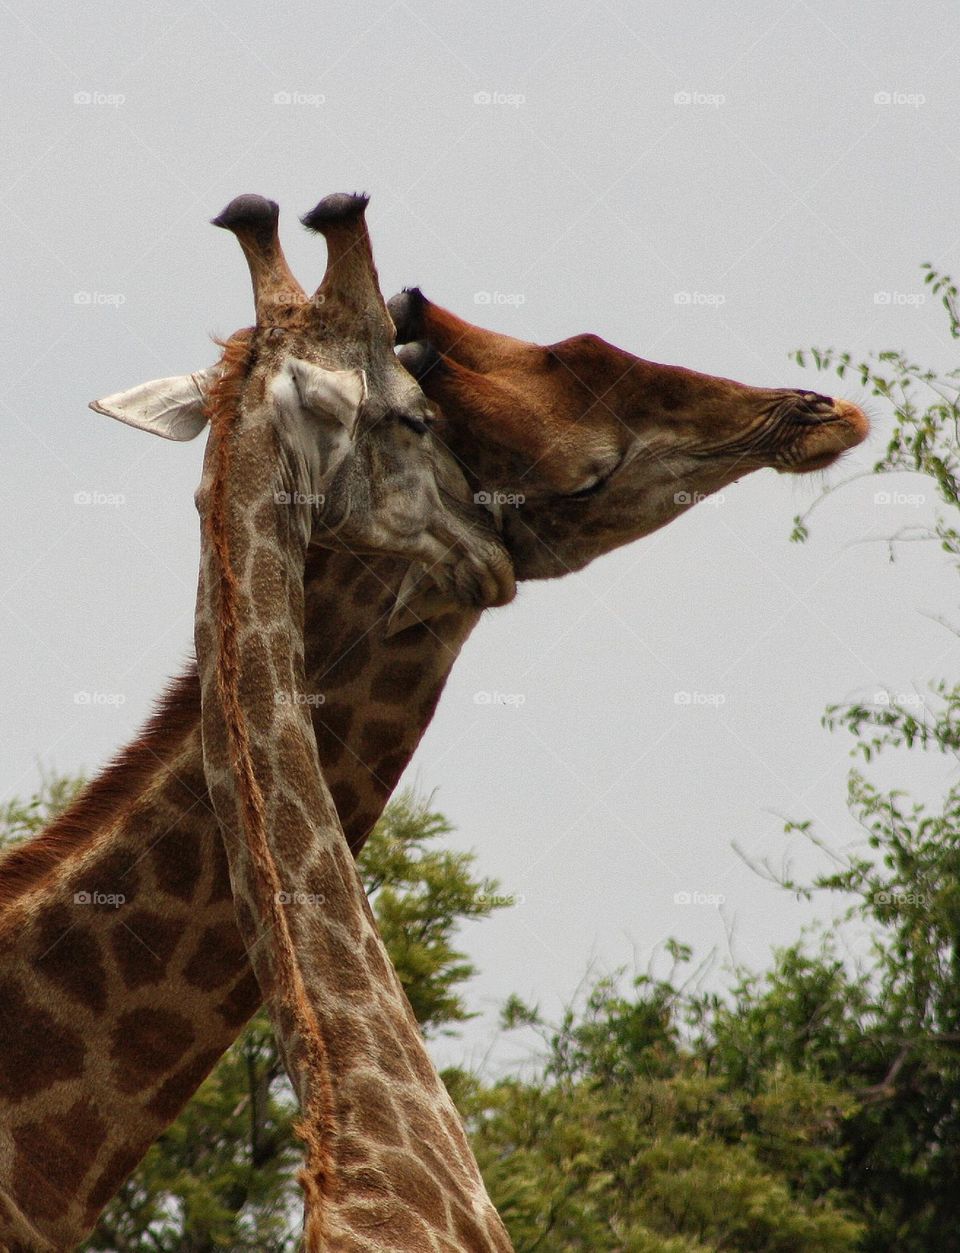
422 595
810 465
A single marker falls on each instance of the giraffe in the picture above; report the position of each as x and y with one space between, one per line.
388 1163
110 1038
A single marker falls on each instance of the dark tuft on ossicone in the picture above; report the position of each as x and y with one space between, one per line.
406 310
336 210
419 358
249 212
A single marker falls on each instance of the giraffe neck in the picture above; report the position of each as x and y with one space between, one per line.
258 759
112 1014
388 1163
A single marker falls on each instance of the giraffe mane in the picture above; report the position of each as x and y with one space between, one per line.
236 361
316 1128
103 801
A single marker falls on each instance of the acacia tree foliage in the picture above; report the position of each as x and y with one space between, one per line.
631 1138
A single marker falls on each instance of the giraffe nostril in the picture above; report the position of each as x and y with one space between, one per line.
818 400
812 409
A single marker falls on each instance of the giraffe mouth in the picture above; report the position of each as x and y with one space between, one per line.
824 435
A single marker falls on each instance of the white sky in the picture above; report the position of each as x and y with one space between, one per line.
582 164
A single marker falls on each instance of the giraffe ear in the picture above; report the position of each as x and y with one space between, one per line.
172 408
337 394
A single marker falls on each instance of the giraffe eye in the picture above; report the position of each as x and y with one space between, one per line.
586 492
599 483
415 424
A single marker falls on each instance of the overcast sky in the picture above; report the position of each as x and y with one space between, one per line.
705 184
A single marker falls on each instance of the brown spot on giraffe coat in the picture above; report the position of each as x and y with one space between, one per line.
143 944
145 1042
36 1049
69 954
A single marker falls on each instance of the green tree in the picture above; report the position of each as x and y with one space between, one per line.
626 1140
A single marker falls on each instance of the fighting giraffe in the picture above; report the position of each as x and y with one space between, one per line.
300 445
103 1039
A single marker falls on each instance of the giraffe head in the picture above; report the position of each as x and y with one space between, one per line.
350 427
600 446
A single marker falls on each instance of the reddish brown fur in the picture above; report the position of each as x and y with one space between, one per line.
566 408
